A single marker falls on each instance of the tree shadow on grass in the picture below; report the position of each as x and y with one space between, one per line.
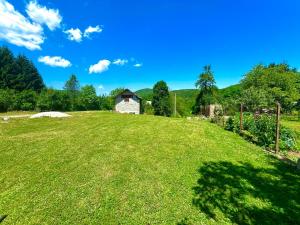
243 194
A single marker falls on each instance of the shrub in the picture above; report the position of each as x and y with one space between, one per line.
229 125
5 100
24 100
54 100
262 131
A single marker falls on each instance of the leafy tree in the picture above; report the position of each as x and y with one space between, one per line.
88 99
105 102
278 82
208 90
51 99
72 87
24 100
114 93
5 99
161 99
112 96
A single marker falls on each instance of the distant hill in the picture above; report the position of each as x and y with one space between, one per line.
231 91
145 93
191 94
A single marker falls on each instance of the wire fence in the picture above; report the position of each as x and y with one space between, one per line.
262 127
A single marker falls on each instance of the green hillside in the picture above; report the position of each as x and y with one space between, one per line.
186 97
107 168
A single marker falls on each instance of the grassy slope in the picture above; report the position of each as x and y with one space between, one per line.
103 168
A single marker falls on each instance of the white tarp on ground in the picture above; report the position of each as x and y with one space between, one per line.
50 114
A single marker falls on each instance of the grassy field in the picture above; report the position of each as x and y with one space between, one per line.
105 168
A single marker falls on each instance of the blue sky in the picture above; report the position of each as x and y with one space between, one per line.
134 43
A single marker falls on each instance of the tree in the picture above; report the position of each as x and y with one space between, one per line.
105 102
72 88
208 90
72 85
24 100
27 76
18 73
112 96
88 99
161 99
5 99
279 82
51 99
7 65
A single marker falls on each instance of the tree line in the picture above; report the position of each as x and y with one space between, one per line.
22 88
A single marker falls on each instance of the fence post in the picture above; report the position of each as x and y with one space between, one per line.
277 128
241 118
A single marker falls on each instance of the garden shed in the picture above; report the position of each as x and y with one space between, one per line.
128 102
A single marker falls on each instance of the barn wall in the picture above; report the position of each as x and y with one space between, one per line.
133 106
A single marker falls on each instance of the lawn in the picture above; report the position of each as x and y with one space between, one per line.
105 168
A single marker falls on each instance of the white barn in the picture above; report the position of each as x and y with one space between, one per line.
128 102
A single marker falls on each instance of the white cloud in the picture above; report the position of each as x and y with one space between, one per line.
74 34
91 30
100 87
17 29
41 15
77 34
120 62
138 65
100 67
55 61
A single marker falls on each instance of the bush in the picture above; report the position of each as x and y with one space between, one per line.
54 100
262 131
24 100
5 100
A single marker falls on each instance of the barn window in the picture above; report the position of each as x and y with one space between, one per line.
126 97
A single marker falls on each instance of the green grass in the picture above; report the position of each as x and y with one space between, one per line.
105 168
16 113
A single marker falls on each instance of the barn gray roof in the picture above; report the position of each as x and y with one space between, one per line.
128 92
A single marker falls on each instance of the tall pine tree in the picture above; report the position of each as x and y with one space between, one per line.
7 65
18 73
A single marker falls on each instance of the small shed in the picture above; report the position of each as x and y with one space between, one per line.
128 102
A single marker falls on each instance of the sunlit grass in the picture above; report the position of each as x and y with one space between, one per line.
105 168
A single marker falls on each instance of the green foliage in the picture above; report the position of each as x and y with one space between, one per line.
72 88
229 98
262 129
265 85
208 90
105 102
161 99
5 99
18 73
88 99
72 85
114 93
25 100
7 67
50 100
147 108
146 94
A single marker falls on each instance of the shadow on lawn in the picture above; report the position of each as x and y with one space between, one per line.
243 194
